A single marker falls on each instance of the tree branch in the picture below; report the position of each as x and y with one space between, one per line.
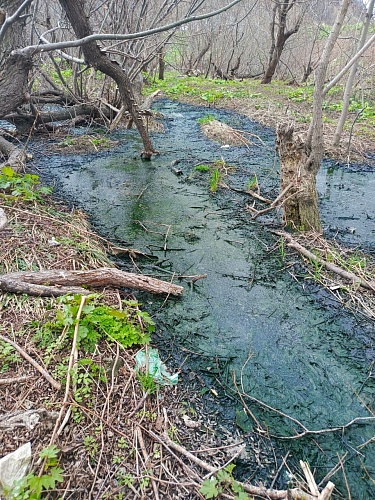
12 19
35 49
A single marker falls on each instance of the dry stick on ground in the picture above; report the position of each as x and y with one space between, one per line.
273 205
146 458
15 380
294 493
309 478
250 193
305 430
72 359
292 243
3 219
56 385
66 281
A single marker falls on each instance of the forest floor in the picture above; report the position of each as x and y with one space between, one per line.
98 427
91 424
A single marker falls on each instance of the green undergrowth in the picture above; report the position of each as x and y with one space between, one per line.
32 486
27 187
223 483
278 94
128 326
215 171
207 90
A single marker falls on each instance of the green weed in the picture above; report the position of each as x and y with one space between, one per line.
33 485
252 184
147 382
26 187
85 375
8 355
128 327
223 483
91 446
206 119
202 168
215 179
122 443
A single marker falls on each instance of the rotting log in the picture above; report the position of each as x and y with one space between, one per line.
61 282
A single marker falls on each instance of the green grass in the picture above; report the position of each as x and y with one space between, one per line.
206 119
205 89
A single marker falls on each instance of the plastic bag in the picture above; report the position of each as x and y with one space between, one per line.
156 368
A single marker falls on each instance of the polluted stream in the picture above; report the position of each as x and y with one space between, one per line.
288 342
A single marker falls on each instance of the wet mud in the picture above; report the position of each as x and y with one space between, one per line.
292 346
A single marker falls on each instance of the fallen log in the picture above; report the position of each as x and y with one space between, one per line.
61 282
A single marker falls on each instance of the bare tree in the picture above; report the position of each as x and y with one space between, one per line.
280 33
352 74
17 58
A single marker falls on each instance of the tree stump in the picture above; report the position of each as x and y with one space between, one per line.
297 167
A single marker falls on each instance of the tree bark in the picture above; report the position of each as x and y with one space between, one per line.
14 68
75 12
60 282
301 211
16 157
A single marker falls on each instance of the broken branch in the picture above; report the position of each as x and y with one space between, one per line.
36 365
60 282
328 265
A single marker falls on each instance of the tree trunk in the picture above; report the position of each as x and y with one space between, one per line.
74 9
14 69
24 122
279 36
301 211
300 160
161 62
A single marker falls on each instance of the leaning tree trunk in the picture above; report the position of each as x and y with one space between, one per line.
14 69
301 211
74 9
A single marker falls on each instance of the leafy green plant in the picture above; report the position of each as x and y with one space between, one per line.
91 446
122 444
202 168
32 486
68 141
253 183
26 187
128 327
8 355
125 479
215 179
86 373
206 119
223 482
